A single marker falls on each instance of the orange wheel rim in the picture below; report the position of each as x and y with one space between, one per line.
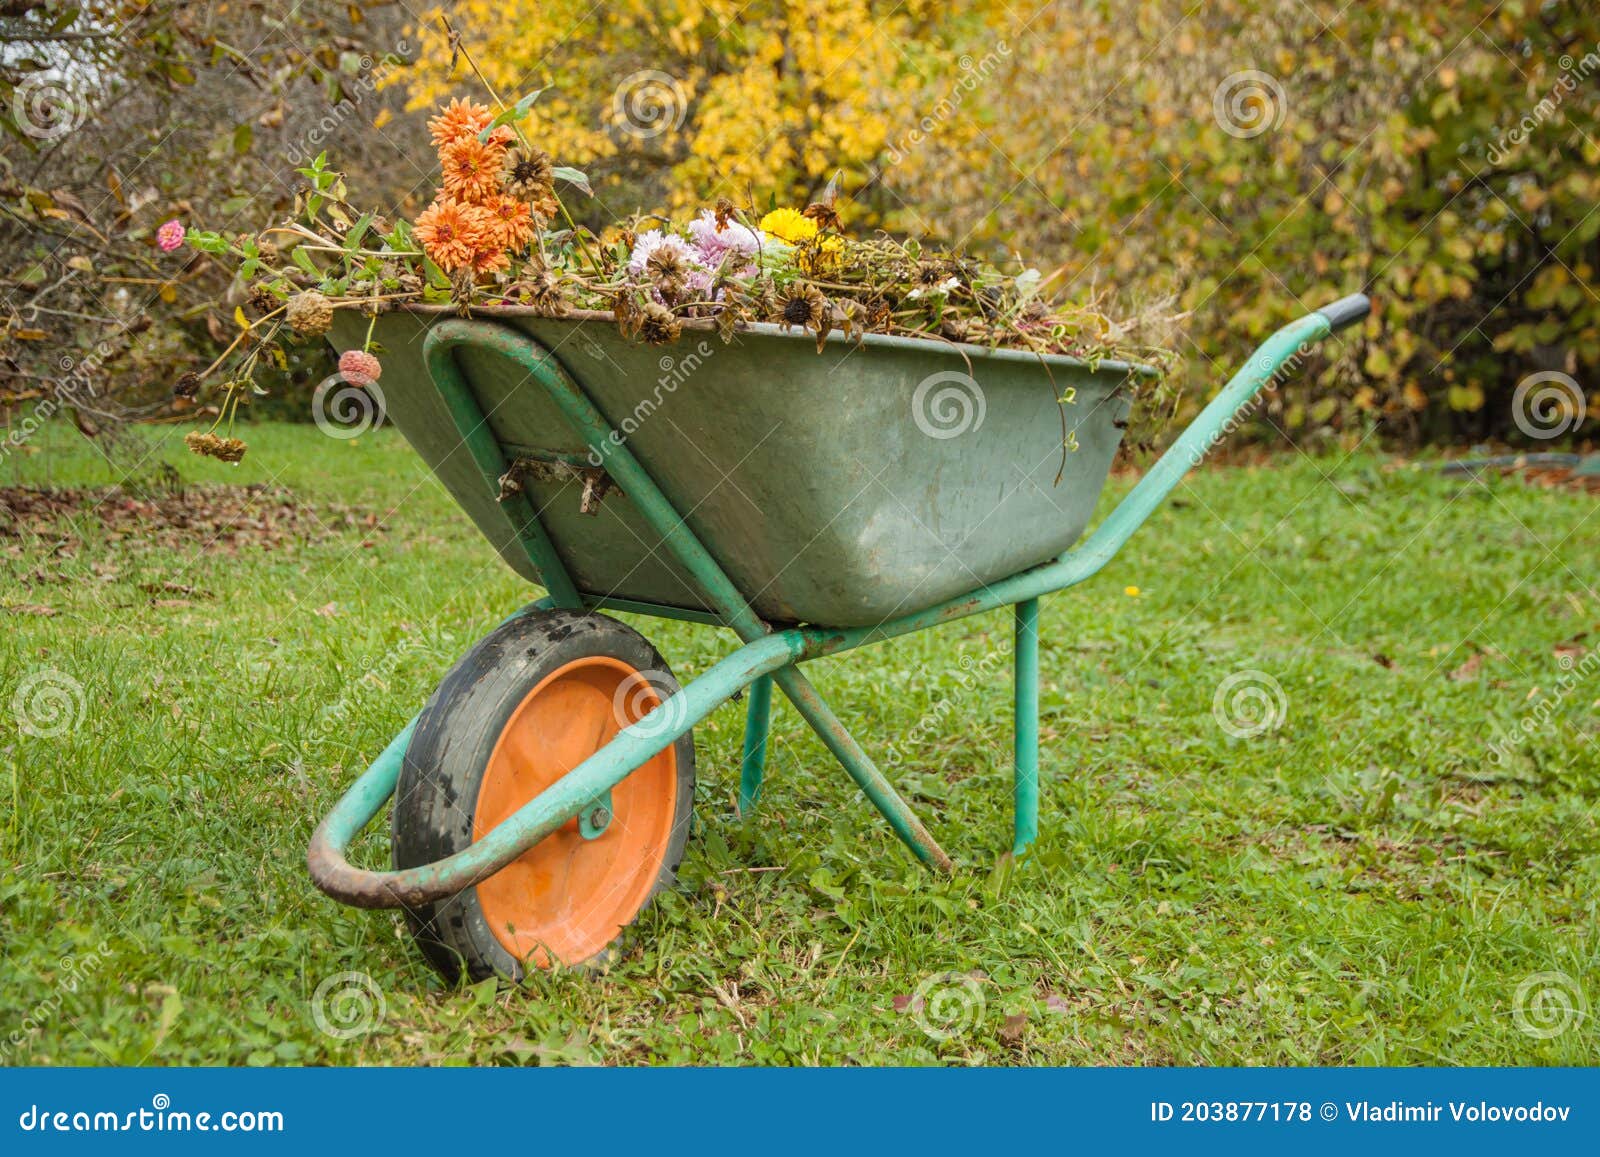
567 897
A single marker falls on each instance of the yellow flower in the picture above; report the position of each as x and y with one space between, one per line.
789 225
1131 592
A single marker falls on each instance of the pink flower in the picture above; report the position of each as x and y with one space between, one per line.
715 244
359 367
170 236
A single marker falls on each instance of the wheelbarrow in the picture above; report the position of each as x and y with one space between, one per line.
810 501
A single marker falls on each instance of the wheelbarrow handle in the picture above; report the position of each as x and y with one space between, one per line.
1346 311
1281 352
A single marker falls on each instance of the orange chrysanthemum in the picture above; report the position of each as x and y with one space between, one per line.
490 259
451 233
512 221
472 169
463 120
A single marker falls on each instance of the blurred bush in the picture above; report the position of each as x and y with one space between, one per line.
1255 158
1245 159
116 117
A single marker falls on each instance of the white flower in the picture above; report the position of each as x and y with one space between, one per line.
655 239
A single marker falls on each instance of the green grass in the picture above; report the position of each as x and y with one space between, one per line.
1363 884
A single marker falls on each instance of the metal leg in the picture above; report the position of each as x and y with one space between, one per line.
860 767
1025 667
758 718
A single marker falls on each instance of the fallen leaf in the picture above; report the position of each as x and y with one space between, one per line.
39 609
1469 669
1012 1031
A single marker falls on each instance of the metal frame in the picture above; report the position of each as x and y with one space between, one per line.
766 656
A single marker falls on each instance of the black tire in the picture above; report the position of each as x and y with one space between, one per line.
437 793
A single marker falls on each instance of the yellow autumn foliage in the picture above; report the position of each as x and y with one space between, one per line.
1244 159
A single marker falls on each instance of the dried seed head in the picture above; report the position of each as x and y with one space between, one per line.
659 325
824 215
208 445
802 305
528 173
309 313
262 299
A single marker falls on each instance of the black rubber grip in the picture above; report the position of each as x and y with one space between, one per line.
1346 311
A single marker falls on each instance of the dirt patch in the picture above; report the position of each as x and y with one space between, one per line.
212 518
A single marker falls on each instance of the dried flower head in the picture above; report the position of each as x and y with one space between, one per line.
826 216
802 305
262 299
309 313
528 173
543 290
669 269
359 367
659 325
208 445
653 241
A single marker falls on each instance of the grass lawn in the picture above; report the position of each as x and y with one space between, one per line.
1398 872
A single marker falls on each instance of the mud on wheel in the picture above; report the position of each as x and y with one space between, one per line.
529 703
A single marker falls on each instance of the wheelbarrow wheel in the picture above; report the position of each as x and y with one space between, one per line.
529 703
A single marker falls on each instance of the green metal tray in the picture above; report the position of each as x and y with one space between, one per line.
873 479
